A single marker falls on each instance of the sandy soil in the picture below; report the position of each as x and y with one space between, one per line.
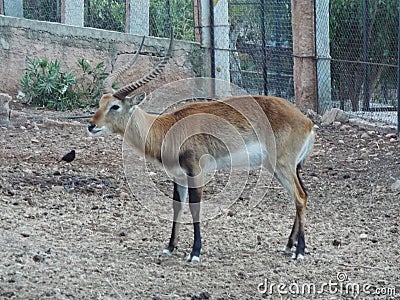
75 231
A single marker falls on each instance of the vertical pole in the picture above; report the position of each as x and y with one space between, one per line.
221 41
304 69
13 8
1 7
212 47
127 14
398 74
197 20
205 29
277 48
137 17
168 22
89 14
324 88
212 38
365 106
264 48
72 12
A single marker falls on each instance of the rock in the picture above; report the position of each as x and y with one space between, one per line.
395 186
393 140
27 171
364 156
58 188
345 127
336 124
124 195
391 135
4 109
363 236
371 126
365 136
335 115
371 132
311 113
35 127
38 258
34 141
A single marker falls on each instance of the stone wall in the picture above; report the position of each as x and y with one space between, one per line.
22 38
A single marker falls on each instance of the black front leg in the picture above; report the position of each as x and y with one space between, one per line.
194 204
179 198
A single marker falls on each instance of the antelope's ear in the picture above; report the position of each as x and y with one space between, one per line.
136 99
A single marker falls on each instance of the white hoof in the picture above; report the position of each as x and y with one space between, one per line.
194 259
165 252
287 250
300 257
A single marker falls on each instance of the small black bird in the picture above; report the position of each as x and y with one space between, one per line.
70 156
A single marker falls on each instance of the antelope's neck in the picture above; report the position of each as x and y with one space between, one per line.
145 134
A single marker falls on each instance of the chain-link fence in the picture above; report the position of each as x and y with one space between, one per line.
364 50
356 46
42 10
261 46
111 15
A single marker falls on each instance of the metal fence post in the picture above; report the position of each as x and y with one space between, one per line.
323 55
366 41
221 37
398 74
264 48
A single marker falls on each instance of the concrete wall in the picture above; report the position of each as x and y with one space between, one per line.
22 38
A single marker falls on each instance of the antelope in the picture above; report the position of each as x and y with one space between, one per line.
266 119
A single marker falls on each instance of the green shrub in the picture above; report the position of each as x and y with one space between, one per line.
89 83
45 85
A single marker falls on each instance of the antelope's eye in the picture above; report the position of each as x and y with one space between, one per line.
114 107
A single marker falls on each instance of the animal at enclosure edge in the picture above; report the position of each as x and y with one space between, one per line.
290 130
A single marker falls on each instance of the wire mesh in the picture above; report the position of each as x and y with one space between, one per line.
42 10
261 46
363 37
105 14
111 15
178 13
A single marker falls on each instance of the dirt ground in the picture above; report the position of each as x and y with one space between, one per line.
75 231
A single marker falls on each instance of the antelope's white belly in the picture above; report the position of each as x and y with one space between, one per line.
249 157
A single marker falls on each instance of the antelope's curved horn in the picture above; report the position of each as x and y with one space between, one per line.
107 85
129 88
